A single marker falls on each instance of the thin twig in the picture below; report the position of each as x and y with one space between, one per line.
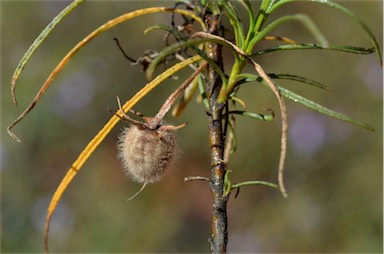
195 178
123 52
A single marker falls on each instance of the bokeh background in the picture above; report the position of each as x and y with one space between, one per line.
333 173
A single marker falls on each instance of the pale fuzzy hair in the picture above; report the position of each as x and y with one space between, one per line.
146 154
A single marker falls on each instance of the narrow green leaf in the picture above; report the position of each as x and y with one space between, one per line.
300 79
310 104
42 36
251 13
252 21
268 184
261 117
344 48
203 93
262 15
251 77
321 109
235 23
302 18
343 9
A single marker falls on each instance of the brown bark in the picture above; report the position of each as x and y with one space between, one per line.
219 239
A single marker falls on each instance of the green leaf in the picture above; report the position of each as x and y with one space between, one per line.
252 21
321 109
304 19
251 77
300 79
262 15
268 184
253 115
348 49
235 23
42 36
308 103
345 11
203 93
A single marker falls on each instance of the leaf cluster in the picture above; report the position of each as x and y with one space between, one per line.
191 48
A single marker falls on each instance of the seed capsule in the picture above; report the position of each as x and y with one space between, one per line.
145 153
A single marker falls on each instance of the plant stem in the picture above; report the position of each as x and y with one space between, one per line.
219 237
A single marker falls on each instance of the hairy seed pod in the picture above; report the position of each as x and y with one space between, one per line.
145 153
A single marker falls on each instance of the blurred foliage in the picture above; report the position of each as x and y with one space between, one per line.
334 170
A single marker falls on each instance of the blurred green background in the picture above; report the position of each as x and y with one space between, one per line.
333 173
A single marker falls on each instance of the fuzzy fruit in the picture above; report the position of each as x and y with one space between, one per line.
145 153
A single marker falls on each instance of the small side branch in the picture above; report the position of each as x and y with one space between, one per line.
195 178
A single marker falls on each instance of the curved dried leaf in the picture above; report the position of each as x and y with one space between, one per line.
83 42
186 98
94 143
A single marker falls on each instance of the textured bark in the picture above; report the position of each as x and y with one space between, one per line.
219 210
219 237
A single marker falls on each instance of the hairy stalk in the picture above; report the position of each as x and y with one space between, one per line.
219 237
